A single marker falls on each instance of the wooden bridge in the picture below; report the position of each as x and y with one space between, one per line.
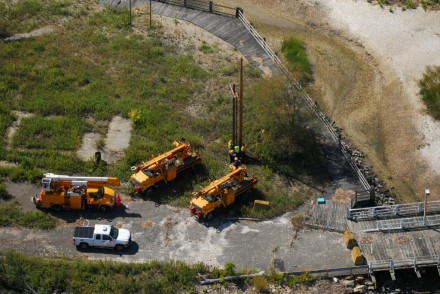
390 237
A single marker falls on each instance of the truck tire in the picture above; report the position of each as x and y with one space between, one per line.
83 245
119 247
103 208
57 208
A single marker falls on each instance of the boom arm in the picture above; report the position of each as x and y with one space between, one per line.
181 151
51 179
214 188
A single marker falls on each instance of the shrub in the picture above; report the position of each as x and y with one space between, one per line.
19 272
294 51
260 284
430 90
302 279
205 48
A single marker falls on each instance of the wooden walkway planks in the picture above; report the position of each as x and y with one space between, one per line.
229 29
330 216
401 247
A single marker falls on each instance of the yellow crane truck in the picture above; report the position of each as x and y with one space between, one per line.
77 192
221 192
164 167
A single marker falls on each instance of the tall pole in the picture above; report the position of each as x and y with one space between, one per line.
129 13
240 110
234 115
151 10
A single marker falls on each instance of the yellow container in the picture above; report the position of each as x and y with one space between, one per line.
356 256
349 241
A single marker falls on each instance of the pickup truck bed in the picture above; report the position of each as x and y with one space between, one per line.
83 232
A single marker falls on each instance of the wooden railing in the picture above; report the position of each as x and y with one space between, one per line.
204 5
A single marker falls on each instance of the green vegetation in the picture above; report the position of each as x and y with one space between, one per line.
430 90
409 4
302 279
4 195
205 48
11 214
294 51
21 273
93 67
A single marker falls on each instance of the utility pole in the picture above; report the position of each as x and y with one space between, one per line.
240 109
151 10
129 13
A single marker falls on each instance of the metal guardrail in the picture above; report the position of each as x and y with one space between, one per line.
392 264
412 223
312 105
393 211
203 5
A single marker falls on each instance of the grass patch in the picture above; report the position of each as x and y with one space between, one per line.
430 90
94 67
4 195
294 51
11 214
205 48
19 273
409 4
60 133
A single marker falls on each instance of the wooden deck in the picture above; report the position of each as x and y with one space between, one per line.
230 30
383 250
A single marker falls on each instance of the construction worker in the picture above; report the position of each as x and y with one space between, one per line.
237 149
237 162
243 150
231 156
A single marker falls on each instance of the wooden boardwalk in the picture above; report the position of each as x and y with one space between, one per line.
383 250
229 29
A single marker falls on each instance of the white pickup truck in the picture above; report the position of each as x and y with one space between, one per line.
101 236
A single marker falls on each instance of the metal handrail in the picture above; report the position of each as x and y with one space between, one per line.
312 105
389 264
406 223
393 210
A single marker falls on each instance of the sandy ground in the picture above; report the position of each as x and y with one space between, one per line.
405 42
366 62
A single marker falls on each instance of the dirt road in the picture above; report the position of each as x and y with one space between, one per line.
167 233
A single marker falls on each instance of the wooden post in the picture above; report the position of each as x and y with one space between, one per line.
129 13
240 110
234 116
151 11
